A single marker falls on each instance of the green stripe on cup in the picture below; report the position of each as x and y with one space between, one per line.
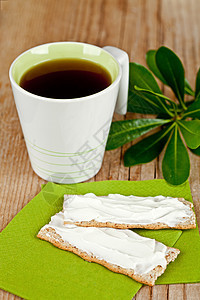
64 165
64 177
51 171
33 146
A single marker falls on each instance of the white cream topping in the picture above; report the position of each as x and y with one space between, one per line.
121 209
121 247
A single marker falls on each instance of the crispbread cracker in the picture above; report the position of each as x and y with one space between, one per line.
154 226
49 234
189 223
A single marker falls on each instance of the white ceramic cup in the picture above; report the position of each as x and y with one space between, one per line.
66 139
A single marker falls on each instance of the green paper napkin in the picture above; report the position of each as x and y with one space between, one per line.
35 269
186 268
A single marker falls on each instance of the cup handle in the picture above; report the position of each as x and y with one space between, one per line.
123 59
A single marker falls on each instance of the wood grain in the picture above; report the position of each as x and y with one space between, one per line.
133 25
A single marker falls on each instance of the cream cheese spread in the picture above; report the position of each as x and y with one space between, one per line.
121 247
121 209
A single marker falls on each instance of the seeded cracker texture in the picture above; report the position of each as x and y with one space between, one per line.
189 223
49 234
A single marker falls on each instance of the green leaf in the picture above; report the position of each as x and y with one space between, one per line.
161 99
189 102
197 89
162 116
172 70
147 149
188 89
143 104
191 132
122 132
176 163
151 62
196 151
143 78
137 101
193 110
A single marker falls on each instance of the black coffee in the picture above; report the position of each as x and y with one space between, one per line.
65 79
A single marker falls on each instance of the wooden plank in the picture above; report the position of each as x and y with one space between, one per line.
133 25
144 293
160 292
176 293
177 34
111 32
147 39
192 291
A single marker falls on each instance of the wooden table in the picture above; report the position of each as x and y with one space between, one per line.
133 25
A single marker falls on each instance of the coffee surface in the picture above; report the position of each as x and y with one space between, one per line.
65 79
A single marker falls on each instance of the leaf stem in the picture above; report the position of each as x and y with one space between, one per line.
189 92
159 96
183 105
